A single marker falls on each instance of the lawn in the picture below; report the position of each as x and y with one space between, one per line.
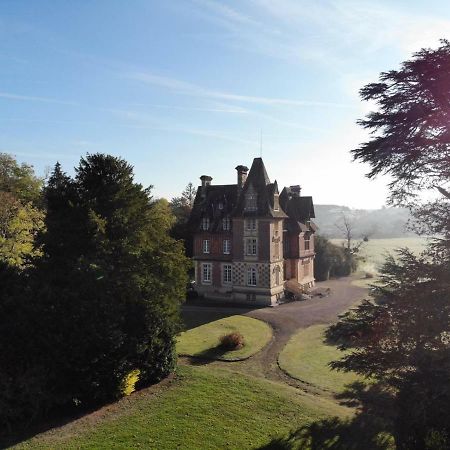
203 341
203 408
306 358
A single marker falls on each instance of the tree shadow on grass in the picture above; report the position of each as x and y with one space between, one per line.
369 429
207 356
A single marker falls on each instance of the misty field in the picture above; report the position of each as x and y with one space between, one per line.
374 251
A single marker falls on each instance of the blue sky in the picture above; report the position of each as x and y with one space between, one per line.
184 88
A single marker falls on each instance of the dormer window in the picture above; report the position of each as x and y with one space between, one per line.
226 224
276 202
307 241
251 224
251 199
205 223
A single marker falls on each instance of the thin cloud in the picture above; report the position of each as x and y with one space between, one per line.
148 122
219 109
185 88
324 32
28 98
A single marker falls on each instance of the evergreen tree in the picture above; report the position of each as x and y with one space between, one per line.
104 298
400 337
181 208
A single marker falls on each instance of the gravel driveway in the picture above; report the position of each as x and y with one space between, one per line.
286 320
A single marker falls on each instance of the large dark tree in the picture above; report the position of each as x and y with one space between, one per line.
401 336
410 129
103 300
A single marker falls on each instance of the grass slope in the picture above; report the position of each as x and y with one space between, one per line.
306 358
203 340
203 408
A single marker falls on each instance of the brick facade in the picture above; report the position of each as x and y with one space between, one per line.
266 238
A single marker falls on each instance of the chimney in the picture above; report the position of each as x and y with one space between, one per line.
206 181
241 176
295 190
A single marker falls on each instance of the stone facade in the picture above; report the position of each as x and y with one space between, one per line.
248 239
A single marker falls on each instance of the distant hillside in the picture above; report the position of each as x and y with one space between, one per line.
375 223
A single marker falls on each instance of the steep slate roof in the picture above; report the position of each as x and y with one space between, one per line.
298 210
265 190
208 205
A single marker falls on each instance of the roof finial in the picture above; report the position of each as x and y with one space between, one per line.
260 143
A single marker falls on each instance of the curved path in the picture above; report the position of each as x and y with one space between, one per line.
286 320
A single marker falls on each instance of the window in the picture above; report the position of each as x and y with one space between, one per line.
205 223
251 199
206 273
226 224
251 224
252 247
307 241
276 202
227 274
206 246
251 276
226 246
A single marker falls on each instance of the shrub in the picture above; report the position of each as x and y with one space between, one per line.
130 381
232 341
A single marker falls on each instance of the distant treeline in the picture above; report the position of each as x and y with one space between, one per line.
381 223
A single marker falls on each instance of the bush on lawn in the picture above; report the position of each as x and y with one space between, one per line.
232 341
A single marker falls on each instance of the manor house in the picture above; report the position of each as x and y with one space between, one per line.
249 239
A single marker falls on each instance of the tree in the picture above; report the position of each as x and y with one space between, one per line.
410 133
351 249
21 216
19 180
19 225
330 261
102 301
181 208
400 336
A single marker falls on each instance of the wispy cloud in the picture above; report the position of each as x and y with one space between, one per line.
139 120
185 88
28 98
328 32
219 108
